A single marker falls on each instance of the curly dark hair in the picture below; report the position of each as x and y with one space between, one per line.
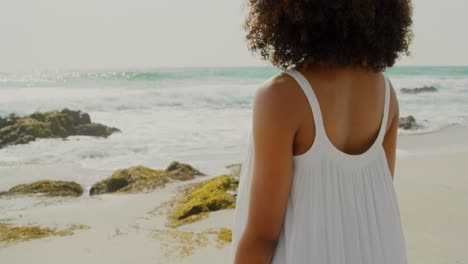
368 34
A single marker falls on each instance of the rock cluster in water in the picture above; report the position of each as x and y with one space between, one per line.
424 89
407 122
54 124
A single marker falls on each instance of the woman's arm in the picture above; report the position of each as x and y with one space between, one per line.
390 140
273 132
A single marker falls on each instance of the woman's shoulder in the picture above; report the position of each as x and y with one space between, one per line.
280 92
279 98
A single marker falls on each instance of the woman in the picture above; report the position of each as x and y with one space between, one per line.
317 183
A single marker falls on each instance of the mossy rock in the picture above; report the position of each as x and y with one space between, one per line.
96 130
23 131
188 220
181 171
60 124
116 183
8 121
141 178
48 188
133 179
235 169
212 195
53 124
408 122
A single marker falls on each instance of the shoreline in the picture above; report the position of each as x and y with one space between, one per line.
452 139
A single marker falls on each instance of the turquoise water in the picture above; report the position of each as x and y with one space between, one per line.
153 77
428 71
213 88
193 114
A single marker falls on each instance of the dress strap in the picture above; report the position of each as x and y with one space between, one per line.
312 98
315 106
383 125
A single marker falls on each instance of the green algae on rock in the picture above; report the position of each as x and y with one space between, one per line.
9 120
235 169
95 130
187 220
54 124
181 171
212 195
141 178
9 233
47 187
132 179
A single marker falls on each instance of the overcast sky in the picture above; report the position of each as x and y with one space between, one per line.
63 34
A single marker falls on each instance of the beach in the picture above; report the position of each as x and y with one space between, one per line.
432 192
200 117
125 125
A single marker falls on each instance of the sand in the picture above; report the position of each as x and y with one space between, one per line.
431 182
433 196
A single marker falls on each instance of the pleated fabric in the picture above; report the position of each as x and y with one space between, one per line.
342 208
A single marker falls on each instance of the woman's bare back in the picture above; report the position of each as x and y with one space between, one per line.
352 105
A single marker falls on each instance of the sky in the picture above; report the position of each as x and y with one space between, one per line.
109 34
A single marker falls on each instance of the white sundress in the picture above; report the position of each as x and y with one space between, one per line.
342 208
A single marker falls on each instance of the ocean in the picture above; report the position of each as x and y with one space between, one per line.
196 115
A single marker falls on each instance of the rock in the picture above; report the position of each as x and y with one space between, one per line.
423 89
53 124
95 129
408 122
48 188
8 121
61 125
232 192
84 118
116 183
235 168
212 195
38 116
141 178
133 179
182 172
23 131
